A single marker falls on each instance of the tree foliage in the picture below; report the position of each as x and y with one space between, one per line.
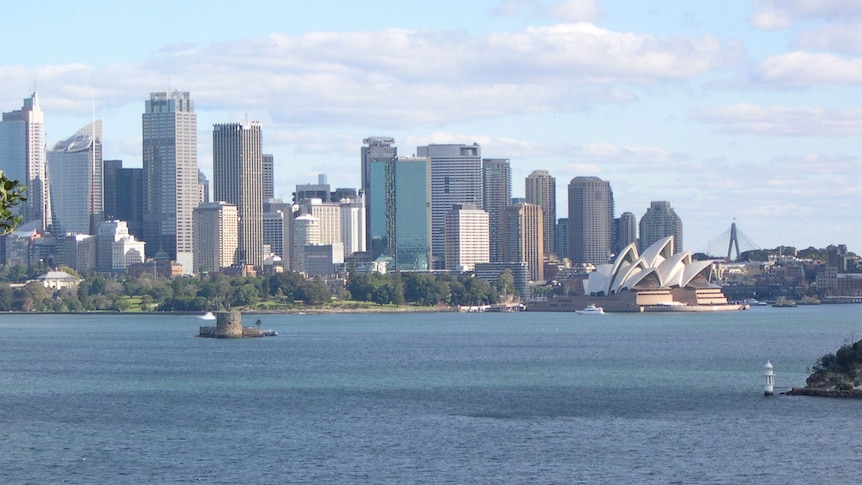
11 194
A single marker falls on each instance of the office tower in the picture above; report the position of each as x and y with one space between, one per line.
307 192
342 193
524 238
541 190
278 229
456 178
353 226
170 162
659 222
496 196
625 231
203 188
75 172
376 148
561 242
116 249
467 237
329 216
268 177
591 215
306 232
124 196
401 212
22 158
216 229
238 180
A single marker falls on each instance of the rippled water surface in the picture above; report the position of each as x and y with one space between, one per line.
458 398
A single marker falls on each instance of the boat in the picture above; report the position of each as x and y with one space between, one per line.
207 316
755 302
591 310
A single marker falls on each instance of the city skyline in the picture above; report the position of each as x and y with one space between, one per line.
739 112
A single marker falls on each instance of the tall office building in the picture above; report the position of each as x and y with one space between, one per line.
524 239
124 196
561 242
268 177
329 215
238 179
659 222
591 216
22 158
170 162
216 236
467 237
456 178
541 190
625 231
353 226
77 191
496 196
400 212
376 148
203 188
278 229
116 249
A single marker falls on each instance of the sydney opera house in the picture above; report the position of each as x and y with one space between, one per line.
657 280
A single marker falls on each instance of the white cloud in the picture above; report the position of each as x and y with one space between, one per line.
842 37
779 14
562 11
752 119
807 69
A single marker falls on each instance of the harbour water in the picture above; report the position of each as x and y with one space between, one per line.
425 398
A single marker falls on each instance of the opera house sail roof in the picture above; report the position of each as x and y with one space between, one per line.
657 267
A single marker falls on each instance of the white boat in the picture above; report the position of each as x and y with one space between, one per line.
591 310
754 302
207 316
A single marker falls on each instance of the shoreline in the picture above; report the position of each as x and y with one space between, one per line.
806 391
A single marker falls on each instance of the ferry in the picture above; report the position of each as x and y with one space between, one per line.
207 316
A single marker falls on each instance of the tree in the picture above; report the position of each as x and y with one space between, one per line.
11 194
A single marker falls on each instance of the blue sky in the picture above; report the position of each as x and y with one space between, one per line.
739 110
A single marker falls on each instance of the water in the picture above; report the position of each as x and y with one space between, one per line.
419 398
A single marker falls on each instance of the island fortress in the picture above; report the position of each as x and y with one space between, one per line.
657 280
229 325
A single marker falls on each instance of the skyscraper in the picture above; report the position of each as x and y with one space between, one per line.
216 236
268 177
591 215
401 212
467 238
659 222
170 163
238 179
625 231
75 171
496 195
22 152
456 178
124 196
541 189
523 238
376 148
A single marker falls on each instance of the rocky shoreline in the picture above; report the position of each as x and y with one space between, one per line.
807 391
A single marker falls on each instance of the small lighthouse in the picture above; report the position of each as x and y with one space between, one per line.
768 379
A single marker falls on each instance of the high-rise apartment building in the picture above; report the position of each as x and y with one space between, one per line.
541 190
329 216
456 178
268 177
376 148
77 191
170 164
400 212
591 216
278 229
467 238
22 152
353 226
660 221
496 196
216 236
524 239
238 180
306 232
625 231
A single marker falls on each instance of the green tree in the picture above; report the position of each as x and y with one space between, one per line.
11 194
397 288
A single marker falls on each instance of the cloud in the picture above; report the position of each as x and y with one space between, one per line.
808 69
780 14
844 37
752 119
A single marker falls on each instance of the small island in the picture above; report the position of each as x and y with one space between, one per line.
229 325
835 375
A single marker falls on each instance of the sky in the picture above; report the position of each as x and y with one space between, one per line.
738 111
